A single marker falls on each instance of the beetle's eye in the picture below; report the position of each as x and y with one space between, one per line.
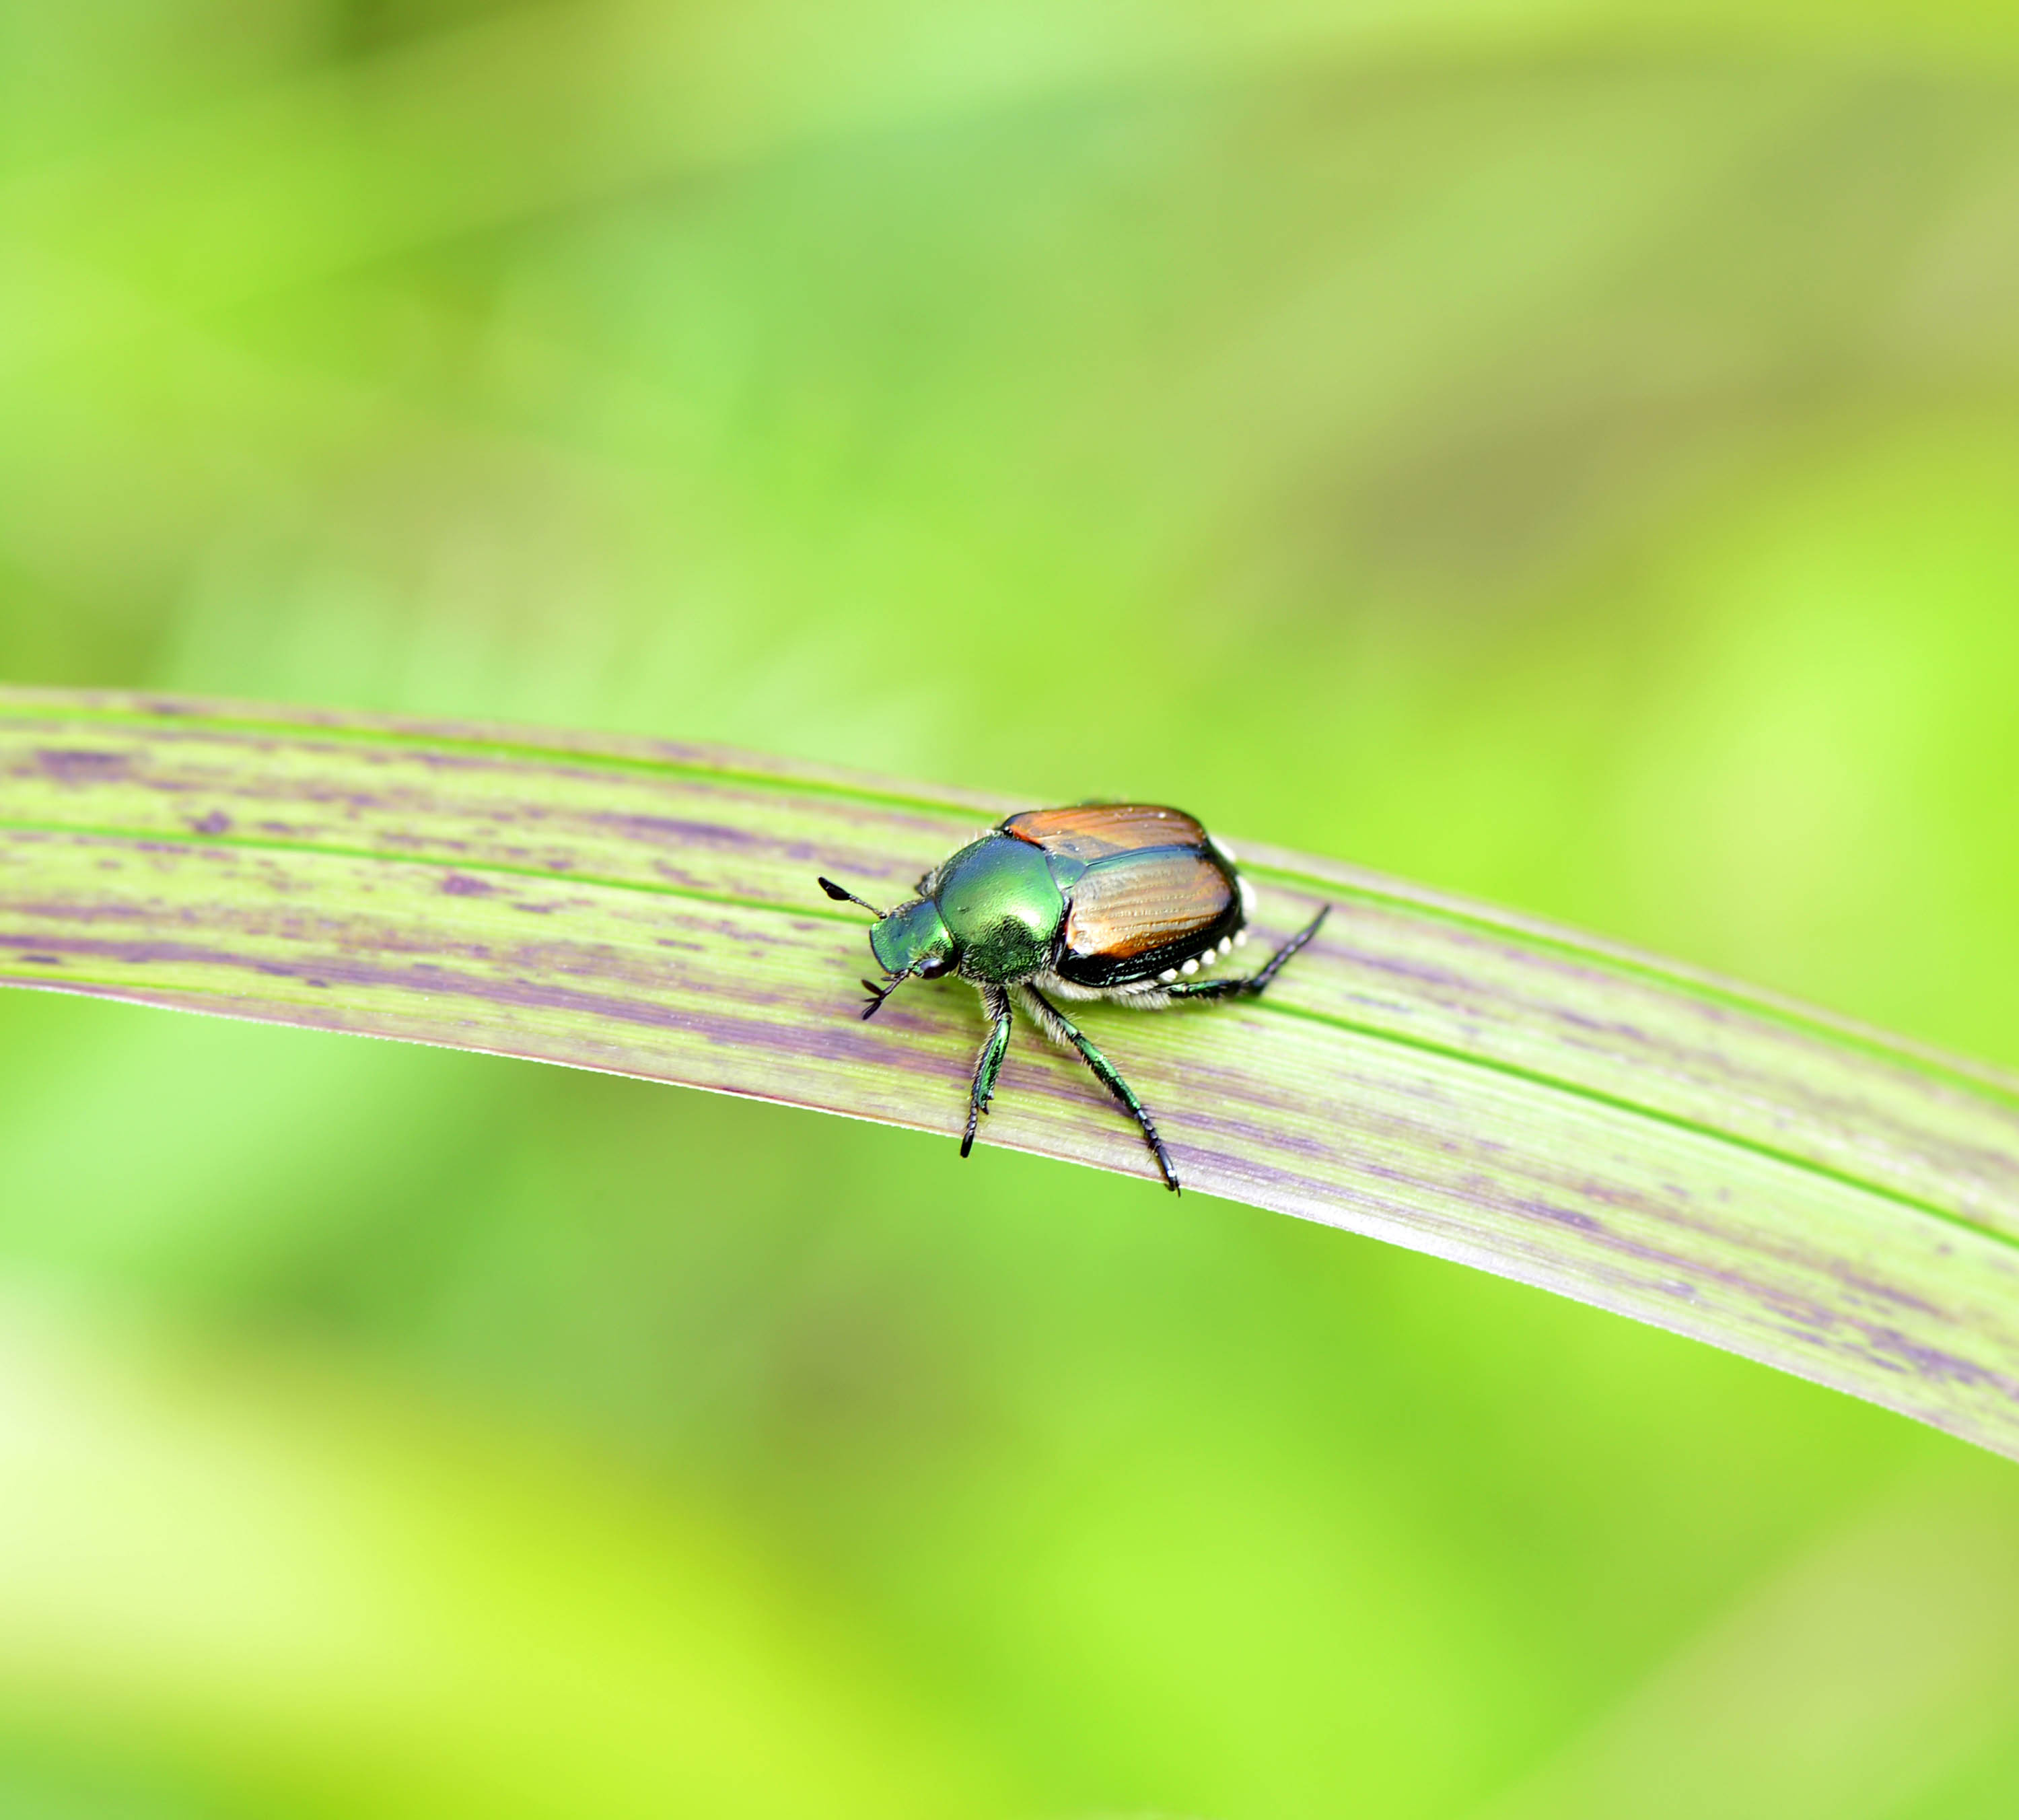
932 968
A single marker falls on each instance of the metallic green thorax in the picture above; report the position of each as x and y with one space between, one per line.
995 908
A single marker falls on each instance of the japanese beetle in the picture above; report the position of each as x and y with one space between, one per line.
1119 900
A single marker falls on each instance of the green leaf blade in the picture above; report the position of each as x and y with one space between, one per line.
1824 1198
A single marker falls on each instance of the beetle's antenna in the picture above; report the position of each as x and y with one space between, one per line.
877 994
841 896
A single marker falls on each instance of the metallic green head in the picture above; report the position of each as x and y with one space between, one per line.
913 939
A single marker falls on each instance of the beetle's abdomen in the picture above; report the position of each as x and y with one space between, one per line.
1131 916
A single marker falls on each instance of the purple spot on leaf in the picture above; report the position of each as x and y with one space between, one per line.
84 767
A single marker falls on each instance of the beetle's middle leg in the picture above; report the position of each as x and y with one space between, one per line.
1254 983
1062 1030
995 1002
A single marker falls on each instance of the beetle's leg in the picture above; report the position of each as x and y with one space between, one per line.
996 1002
1062 1030
1255 983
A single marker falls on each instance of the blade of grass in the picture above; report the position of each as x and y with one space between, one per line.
1825 1198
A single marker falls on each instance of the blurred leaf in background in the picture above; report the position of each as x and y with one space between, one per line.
1562 453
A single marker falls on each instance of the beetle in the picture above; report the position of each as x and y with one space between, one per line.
1120 901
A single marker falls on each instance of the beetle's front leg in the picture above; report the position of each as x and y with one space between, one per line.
1255 983
995 1002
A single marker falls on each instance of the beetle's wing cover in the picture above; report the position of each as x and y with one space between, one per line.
1134 914
1096 831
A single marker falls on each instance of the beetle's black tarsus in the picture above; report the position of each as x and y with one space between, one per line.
841 894
988 1064
1274 966
1256 984
1105 1072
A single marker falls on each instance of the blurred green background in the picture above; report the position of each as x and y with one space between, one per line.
1559 452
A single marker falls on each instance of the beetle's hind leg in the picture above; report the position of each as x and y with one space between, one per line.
989 1064
1256 984
1062 1030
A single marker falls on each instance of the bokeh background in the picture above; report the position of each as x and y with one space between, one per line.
1564 453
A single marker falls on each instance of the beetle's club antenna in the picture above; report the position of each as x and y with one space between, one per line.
877 994
842 896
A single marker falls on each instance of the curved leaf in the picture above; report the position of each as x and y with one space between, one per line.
1468 1083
